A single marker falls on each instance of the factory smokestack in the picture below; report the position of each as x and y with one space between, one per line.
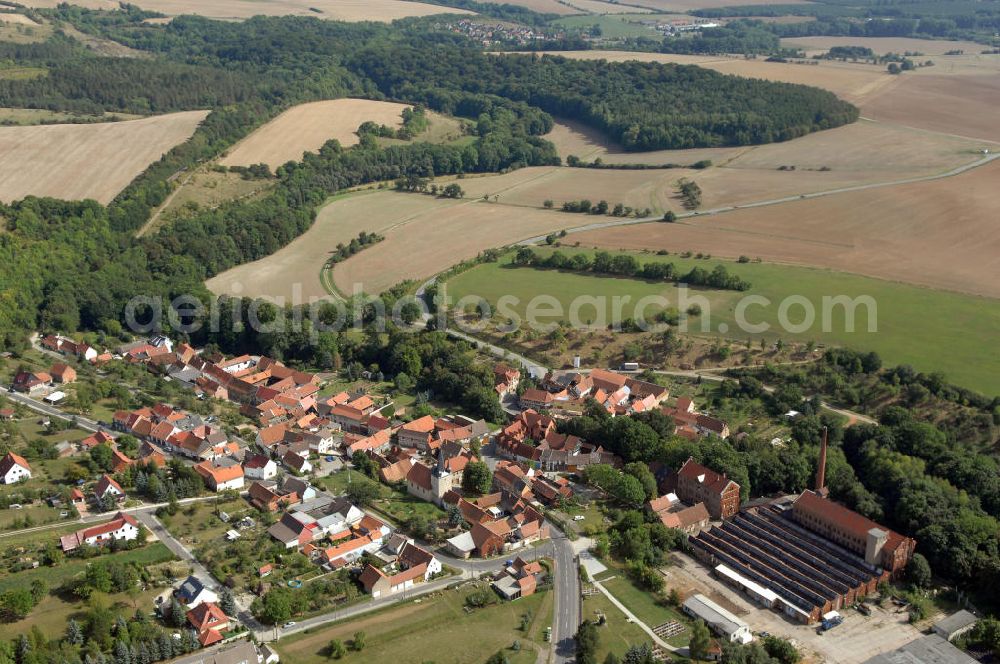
821 470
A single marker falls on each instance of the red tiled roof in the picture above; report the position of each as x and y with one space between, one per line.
420 475
10 460
711 479
844 519
423 425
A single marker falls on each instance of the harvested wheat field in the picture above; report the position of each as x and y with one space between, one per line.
541 6
598 7
335 10
86 160
942 234
886 151
688 5
306 127
657 188
17 19
956 104
574 138
424 235
882 45
853 82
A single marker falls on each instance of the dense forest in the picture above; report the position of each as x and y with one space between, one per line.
644 106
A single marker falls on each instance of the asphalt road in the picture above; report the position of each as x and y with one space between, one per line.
45 409
567 589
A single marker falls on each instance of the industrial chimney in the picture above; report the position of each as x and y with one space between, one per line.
821 470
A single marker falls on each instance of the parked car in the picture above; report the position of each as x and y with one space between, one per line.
290 623
579 517
16 506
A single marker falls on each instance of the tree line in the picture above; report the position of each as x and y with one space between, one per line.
626 265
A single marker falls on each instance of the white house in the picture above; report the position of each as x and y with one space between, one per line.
108 486
14 468
259 467
122 527
297 462
193 592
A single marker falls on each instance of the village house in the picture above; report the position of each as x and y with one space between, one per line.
259 467
416 434
122 527
297 462
691 424
107 486
29 382
266 495
532 438
209 621
95 439
379 442
62 373
221 474
14 468
505 380
193 592
520 579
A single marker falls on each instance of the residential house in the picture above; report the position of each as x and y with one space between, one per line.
378 584
119 461
14 468
95 439
209 621
692 424
417 433
266 496
259 467
505 380
107 486
193 592
62 373
380 441
221 474
122 527
295 529
297 462
31 382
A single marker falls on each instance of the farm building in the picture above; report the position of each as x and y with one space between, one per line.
931 648
722 622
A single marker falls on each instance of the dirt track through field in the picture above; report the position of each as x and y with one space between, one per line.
77 161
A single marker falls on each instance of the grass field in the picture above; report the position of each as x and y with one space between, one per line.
434 628
645 606
617 634
335 10
306 127
86 160
931 330
19 29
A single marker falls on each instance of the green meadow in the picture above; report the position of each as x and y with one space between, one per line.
934 331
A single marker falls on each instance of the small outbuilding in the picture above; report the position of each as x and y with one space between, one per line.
953 626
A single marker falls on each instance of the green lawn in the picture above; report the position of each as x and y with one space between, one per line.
197 523
931 330
617 634
641 603
432 629
402 506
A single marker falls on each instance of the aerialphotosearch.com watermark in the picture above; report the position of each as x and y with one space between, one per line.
689 311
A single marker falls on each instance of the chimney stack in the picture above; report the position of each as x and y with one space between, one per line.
821 470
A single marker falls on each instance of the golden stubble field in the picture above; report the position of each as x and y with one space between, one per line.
424 235
336 10
882 45
306 127
77 161
541 6
940 234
